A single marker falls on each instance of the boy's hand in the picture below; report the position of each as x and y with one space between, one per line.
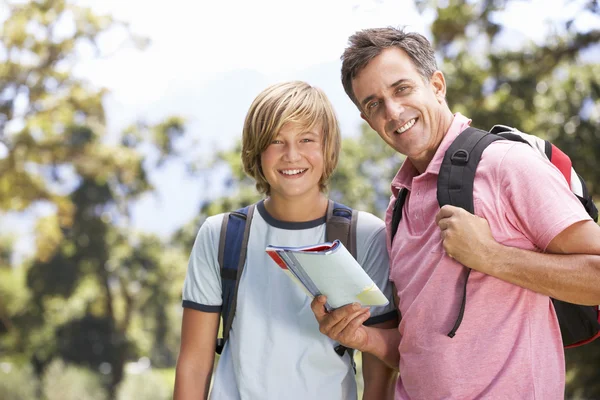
344 324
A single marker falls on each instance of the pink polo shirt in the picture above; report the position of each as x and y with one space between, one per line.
508 345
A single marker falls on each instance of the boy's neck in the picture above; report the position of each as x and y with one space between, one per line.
297 209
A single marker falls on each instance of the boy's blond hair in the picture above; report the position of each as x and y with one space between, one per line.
282 103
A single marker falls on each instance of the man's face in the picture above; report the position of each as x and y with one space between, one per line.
407 112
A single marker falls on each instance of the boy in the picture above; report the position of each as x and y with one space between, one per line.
291 142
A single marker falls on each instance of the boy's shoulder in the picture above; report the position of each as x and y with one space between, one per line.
368 220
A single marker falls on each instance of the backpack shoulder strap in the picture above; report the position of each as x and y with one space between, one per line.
233 242
455 183
397 212
340 223
457 172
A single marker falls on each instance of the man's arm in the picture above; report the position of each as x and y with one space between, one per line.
345 325
379 379
571 272
196 356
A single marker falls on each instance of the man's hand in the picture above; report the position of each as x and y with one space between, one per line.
344 324
467 238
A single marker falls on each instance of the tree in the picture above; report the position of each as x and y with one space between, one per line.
93 289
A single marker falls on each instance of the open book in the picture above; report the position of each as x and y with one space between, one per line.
328 269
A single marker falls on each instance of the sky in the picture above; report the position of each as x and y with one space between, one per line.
207 60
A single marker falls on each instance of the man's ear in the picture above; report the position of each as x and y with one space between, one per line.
364 117
438 82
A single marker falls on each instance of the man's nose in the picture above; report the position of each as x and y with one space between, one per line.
393 109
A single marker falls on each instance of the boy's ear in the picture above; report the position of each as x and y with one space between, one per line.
439 85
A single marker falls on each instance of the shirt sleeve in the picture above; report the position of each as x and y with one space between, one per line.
202 285
373 256
537 198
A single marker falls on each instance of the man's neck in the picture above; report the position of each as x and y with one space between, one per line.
445 122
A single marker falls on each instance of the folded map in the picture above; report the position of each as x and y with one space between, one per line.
328 269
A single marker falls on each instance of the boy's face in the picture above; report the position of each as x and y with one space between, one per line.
293 163
400 106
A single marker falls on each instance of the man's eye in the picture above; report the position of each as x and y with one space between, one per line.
373 105
401 89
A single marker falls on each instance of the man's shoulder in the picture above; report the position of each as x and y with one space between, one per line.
505 156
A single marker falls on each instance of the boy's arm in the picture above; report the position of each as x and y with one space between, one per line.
379 379
196 355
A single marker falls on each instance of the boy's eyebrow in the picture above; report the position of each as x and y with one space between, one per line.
310 132
397 83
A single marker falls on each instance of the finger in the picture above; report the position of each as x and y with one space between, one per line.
329 320
358 321
445 212
318 307
342 324
349 334
443 224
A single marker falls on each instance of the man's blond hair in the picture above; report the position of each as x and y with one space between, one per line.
282 103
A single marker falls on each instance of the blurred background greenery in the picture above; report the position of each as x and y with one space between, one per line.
94 311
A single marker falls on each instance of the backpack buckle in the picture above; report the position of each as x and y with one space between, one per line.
460 157
219 345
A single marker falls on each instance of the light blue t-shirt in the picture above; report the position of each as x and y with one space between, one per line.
275 349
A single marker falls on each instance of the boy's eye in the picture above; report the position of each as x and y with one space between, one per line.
276 141
306 140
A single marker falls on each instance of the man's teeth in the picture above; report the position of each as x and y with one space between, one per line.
406 126
292 171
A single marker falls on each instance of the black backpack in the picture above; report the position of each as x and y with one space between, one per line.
340 223
578 324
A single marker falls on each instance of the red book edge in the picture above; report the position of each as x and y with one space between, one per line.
278 260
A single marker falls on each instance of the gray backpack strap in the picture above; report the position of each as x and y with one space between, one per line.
352 238
340 223
222 240
233 243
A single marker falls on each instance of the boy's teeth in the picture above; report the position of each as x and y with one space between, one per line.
292 171
407 125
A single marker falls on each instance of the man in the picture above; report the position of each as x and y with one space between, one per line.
534 240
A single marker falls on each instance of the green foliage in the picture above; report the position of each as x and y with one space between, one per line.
149 385
94 293
15 384
64 382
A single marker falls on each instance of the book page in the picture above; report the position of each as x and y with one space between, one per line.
337 275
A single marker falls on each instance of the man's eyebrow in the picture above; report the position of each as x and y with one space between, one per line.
397 83
367 99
